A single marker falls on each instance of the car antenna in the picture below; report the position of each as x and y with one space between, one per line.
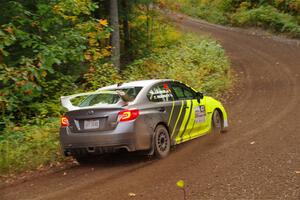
119 84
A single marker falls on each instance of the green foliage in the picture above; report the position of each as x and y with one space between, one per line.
276 15
100 76
267 17
199 62
209 13
291 6
213 11
144 23
29 146
44 46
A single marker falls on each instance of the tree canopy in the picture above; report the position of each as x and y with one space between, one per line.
50 47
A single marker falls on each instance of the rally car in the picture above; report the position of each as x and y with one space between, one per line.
147 115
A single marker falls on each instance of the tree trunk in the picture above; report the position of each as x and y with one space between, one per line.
115 36
148 25
127 42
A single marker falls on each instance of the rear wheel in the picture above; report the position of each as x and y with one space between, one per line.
162 142
216 122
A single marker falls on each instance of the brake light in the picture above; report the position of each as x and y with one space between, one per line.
64 121
128 115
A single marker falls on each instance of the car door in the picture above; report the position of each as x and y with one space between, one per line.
162 97
162 102
193 115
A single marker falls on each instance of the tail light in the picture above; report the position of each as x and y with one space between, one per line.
128 115
64 121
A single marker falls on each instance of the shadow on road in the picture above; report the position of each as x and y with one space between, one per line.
118 159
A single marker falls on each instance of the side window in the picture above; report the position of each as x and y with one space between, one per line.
182 92
178 91
188 93
160 93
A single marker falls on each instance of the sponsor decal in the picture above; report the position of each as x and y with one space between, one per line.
200 115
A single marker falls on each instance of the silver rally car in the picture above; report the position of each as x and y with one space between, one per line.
147 115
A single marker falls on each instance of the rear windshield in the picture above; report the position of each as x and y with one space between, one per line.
111 97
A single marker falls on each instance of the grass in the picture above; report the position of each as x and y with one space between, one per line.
30 146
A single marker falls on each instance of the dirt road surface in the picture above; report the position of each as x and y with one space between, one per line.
258 158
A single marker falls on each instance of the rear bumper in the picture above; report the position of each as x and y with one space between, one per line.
126 135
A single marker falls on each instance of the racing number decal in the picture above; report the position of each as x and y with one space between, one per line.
200 115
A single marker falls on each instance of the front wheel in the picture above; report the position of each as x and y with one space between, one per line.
216 122
162 142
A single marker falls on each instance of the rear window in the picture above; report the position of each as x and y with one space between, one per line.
103 98
109 97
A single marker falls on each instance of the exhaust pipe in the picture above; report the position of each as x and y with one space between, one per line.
91 149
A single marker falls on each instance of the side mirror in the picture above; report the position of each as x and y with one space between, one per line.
199 96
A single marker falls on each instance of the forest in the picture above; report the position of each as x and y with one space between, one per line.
51 48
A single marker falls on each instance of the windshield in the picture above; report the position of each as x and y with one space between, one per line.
108 97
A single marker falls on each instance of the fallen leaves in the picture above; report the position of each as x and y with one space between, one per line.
131 194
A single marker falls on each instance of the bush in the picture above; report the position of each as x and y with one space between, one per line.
278 15
101 75
267 17
29 146
200 62
212 11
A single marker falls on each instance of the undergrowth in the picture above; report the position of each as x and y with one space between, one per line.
277 16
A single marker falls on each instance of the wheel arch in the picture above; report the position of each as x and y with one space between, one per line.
152 138
164 124
221 115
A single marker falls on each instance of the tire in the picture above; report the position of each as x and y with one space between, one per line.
162 142
217 122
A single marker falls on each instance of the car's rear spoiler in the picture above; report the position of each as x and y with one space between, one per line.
66 100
